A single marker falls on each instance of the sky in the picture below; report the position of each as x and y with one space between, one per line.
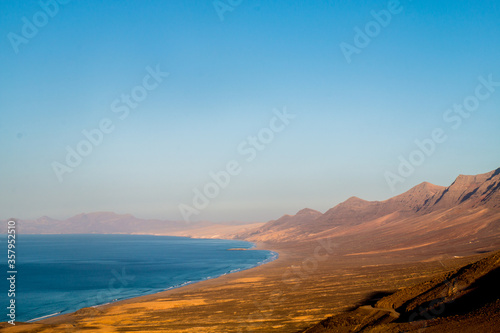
241 110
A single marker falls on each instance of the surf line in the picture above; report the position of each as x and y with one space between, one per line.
43 317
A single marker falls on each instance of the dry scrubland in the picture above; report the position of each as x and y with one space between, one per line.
261 299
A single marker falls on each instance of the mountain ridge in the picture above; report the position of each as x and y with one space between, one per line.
466 196
424 207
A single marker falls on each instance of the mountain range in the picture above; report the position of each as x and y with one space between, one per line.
112 223
464 214
425 259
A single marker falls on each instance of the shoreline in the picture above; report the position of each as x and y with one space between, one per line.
288 294
274 256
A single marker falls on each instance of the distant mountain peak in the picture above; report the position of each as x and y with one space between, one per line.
308 211
353 202
467 180
426 186
418 194
354 199
466 192
464 179
45 218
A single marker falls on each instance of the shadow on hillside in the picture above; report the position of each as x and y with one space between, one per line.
371 299
479 293
483 291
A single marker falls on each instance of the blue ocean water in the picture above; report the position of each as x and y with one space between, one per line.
63 273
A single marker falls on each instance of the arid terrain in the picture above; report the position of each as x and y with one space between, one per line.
464 300
407 263
290 294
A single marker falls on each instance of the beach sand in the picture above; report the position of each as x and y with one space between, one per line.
307 283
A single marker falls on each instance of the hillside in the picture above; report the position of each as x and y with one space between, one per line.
465 214
468 207
464 300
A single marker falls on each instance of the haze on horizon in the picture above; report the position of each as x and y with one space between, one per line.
228 81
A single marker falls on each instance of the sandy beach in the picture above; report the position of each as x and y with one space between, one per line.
303 286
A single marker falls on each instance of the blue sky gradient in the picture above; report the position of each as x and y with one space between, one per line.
352 120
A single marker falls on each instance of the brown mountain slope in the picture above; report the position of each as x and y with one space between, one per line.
282 226
469 191
464 300
425 207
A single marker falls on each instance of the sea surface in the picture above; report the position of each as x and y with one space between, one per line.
58 274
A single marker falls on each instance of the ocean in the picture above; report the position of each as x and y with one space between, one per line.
59 274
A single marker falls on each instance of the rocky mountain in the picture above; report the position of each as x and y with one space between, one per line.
468 191
285 225
466 212
468 207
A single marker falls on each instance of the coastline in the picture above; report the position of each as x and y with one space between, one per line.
69 318
271 256
285 295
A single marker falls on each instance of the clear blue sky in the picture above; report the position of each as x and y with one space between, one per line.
352 120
